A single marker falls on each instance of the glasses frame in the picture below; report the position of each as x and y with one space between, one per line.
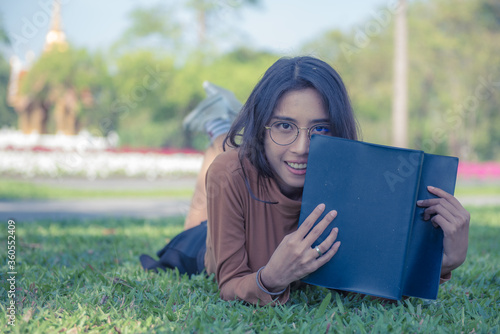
298 131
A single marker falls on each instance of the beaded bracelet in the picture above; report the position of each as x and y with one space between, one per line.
264 289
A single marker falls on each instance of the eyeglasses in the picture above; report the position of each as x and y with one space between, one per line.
285 133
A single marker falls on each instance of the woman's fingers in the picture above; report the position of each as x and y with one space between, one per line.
295 258
308 232
328 255
308 223
441 207
441 194
327 248
446 206
315 232
326 245
447 212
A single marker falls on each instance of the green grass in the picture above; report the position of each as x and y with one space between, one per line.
84 277
477 190
26 189
14 189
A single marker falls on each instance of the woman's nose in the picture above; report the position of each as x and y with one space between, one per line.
301 144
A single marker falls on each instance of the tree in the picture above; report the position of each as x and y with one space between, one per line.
453 76
7 114
208 14
454 69
152 114
155 28
142 105
162 27
152 117
400 82
65 82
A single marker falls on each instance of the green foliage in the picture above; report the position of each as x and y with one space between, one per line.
85 276
209 16
152 28
454 89
466 109
7 114
453 75
56 71
4 39
141 82
150 115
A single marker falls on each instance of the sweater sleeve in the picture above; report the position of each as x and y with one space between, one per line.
227 237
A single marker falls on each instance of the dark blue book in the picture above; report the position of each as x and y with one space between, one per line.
387 249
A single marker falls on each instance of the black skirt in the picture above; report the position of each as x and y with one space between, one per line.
186 252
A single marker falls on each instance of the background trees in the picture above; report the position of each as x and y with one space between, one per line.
146 83
454 75
7 114
67 81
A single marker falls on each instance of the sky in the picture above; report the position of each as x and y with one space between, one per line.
275 25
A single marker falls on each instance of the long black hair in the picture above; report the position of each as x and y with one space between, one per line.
289 74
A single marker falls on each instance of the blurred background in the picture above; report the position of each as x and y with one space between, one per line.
99 89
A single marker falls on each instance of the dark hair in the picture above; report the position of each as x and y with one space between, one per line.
289 74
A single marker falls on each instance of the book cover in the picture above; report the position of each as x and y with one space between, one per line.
387 249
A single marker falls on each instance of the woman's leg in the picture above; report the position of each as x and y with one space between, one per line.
198 208
214 116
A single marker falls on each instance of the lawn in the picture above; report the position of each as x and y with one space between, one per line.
26 189
84 277
13 189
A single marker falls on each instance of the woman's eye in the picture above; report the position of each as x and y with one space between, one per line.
321 129
284 126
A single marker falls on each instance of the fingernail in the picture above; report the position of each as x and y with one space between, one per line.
336 230
321 206
430 187
333 213
420 202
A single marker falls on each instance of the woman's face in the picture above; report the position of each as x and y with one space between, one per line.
305 109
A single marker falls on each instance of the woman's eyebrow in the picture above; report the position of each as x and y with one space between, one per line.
321 120
284 118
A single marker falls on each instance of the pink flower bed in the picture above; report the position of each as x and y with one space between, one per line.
479 170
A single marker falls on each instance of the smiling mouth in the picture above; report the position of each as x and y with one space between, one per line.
297 166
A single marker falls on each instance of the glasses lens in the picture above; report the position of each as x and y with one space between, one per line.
283 133
321 129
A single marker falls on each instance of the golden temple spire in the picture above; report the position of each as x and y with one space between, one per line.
55 37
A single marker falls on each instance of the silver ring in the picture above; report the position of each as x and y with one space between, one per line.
318 250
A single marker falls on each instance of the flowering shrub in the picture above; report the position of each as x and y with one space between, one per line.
88 156
97 164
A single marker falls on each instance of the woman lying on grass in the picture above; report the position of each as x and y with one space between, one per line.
251 194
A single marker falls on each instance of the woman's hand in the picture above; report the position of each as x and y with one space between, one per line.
294 258
447 212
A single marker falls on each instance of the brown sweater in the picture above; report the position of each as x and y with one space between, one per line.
243 232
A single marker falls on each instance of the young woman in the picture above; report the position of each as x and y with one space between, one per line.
251 194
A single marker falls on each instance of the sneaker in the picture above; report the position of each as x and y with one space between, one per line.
233 103
219 103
